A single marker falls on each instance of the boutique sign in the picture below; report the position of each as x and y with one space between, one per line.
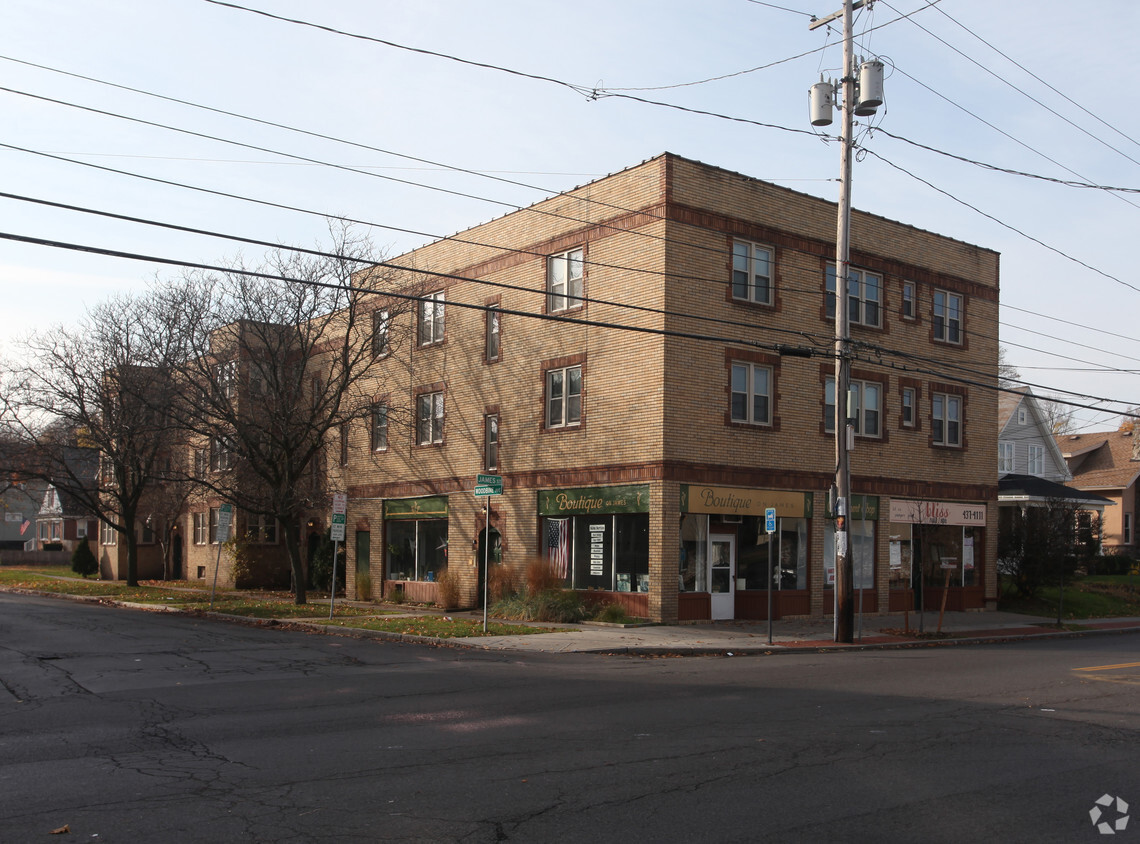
734 501
585 501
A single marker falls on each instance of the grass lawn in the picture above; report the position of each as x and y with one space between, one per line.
1102 596
187 595
441 627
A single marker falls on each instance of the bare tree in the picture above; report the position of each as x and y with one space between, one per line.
1008 374
96 397
1058 416
275 360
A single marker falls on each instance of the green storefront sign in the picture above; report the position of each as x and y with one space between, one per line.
583 501
862 507
434 507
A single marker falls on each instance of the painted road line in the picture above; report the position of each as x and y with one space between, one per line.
1110 667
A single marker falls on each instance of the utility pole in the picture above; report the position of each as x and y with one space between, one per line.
844 581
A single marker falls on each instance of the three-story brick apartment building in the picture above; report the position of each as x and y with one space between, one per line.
615 354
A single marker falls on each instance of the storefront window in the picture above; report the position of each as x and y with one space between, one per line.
946 549
693 568
417 549
607 552
861 536
901 556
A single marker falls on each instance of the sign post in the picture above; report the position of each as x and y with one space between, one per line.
336 531
485 487
770 528
225 518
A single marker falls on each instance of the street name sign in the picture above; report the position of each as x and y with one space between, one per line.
488 485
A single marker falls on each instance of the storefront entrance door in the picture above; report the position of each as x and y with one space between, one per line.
722 574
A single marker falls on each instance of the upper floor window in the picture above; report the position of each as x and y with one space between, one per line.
219 455
908 406
379 427
215 514
864 296
1035 459
564 275
226 374
492 333
429 418
381 325
431 319
947 317
564 397
946 419
751 394
751 272
1005 458
1022 416
909 305
864 407
491 442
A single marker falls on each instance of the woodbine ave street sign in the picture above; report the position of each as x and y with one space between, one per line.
488 485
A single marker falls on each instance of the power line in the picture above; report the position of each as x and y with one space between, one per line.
1024 93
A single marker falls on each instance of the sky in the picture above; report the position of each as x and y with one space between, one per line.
551 96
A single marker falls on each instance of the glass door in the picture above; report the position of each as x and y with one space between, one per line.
722 575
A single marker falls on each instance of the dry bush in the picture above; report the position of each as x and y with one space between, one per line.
540 577
500 583
448 587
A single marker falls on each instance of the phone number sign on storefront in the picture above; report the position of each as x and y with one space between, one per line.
938 513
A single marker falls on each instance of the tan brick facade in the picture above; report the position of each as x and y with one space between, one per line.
655 403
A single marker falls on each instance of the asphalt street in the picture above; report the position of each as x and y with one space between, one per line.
125 726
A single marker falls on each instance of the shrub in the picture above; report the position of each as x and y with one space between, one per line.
540 577
239 552
500 583
363 586
397 595
448 588
611 613
558 605
83 561
321 564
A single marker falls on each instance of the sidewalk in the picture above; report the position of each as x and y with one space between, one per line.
741 637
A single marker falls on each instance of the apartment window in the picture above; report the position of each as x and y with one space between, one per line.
492 333
201 462
381 324
429 418
431 319
947 317
261 529
864 407
491 442
751 272
215 513
564 397
201 529
909 306
751 394
145 534
1035 460
107 534
1005 458
864 296
564 275
226 375
908 402
81 530
379 426
946 419
219 455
